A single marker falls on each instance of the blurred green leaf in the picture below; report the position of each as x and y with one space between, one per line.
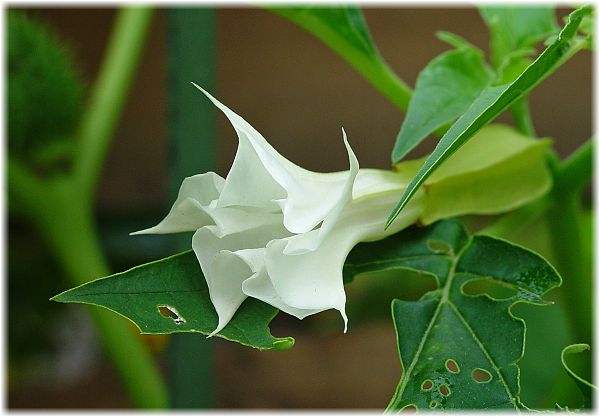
170 295
584 386
494 100
458 351
44 91
514 28
445 89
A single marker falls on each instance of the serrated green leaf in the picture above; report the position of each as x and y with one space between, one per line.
585 387
444 90
170 295
458 351
494 100
514 28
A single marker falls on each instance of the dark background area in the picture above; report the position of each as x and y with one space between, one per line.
298 94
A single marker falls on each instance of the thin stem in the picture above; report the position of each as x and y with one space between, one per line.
109 93
522 117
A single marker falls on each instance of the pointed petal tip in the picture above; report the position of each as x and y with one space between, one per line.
141 232
343 313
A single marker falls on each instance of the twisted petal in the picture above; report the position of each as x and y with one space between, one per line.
191 209
261 177
311 282
223 268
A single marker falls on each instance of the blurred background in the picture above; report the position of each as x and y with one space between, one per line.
298 93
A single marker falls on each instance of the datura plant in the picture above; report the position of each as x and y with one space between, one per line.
273 236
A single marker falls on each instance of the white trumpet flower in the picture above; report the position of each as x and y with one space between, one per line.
279 233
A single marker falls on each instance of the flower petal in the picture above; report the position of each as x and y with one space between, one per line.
225 271
313 280
260 286
189 212
260 177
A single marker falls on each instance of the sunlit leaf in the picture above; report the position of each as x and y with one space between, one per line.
494 100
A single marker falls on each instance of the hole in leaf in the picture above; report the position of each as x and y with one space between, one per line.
495 289
439 246
433 404
444 390
452 366
427 385
481 376
172 313
410 408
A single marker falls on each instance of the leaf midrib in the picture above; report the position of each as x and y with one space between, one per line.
137 293
446 300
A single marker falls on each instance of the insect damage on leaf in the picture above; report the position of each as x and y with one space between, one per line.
458 350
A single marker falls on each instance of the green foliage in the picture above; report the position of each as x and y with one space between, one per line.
44 92
497 170
494 100
457 350
345 31
346 24
171 295
444 90
584 386
516 28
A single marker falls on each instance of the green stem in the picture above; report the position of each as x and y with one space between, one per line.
372 67
62 208
567 238
576 171
109 94
65 221
522 117
568 249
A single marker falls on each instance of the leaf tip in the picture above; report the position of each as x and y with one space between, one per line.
284 344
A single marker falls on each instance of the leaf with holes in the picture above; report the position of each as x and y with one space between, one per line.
170 295
457 350
584 386
494 100
444 90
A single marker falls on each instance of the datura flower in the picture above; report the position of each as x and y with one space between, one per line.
280 233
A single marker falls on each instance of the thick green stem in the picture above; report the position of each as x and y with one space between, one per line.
576 171
67 225
567 239
109 94
522 117
568 249
62 208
